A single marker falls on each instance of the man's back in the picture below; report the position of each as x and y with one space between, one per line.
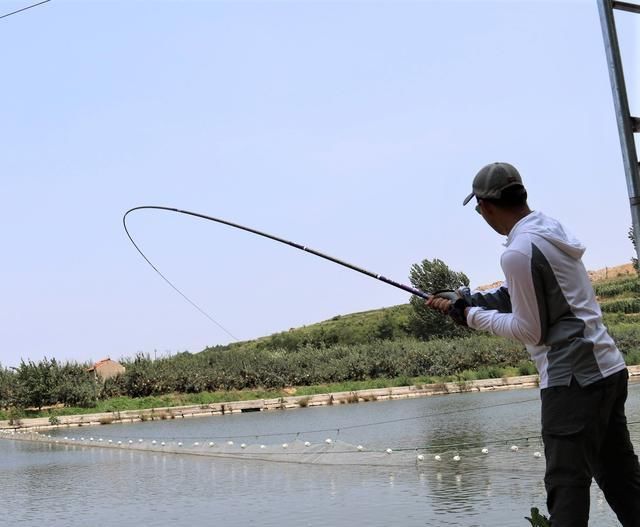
573 341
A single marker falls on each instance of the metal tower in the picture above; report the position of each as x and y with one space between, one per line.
627 124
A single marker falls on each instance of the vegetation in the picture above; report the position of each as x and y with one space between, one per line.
123 403
356 328
389 347
625 286
536 519
624 305
432 276
634 260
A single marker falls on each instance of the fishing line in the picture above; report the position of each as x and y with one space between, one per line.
295 245
202 311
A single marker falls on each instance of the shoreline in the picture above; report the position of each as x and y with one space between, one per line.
282 403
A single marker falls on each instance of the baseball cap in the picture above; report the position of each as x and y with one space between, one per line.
492 180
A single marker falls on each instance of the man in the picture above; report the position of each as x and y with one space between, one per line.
547 302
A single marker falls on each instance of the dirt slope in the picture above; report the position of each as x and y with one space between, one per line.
595 276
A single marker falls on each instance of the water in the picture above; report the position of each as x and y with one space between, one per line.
49 484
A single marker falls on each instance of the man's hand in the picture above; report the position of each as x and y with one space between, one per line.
452 304
440 303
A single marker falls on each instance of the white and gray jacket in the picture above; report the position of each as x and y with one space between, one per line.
547 302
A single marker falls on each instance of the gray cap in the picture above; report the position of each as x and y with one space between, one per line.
492 180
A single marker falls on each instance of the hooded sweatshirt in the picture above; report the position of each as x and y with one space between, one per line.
547 302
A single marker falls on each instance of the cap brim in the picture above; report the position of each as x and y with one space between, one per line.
468 199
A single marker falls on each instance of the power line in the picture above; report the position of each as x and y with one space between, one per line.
24 9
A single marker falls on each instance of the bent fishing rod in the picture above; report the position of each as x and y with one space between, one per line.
295 245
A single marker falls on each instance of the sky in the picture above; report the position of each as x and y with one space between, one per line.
354 128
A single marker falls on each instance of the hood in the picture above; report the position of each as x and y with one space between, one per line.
549 229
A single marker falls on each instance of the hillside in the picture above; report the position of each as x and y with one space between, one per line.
372 349
612 272
595 276
621 295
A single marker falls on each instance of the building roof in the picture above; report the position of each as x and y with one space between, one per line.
104 362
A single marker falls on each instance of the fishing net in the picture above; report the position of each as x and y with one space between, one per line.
326 452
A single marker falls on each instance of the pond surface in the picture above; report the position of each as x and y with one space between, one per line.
43 483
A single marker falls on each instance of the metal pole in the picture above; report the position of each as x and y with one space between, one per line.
626 124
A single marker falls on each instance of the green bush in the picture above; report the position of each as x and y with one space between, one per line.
626 336
527 368
536 519
624 305
633 357
618 287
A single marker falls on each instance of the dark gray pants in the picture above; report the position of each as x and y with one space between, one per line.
585 436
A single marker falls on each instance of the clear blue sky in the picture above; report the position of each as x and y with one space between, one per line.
352 127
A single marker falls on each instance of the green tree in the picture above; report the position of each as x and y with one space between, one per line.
386 328
7 387
634 260
431 276
35 383
73 385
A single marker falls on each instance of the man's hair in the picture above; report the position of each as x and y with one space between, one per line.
511 198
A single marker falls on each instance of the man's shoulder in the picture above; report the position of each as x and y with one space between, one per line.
521 242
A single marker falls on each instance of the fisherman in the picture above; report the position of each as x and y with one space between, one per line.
547 303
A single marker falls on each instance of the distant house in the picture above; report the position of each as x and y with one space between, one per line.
107 368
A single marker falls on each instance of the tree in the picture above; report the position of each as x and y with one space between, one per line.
386 329
35 383
74 386
634 260
431 276
7 387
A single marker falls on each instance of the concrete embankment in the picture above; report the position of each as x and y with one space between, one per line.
281 403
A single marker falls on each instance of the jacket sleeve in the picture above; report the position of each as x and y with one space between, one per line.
523 323
498 299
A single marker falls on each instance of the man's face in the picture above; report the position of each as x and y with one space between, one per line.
491 214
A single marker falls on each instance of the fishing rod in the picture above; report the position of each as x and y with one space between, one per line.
299 246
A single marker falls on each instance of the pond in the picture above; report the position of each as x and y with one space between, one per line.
81 483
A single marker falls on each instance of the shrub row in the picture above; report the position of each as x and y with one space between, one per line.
624 305
619 287
238 369
49 383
